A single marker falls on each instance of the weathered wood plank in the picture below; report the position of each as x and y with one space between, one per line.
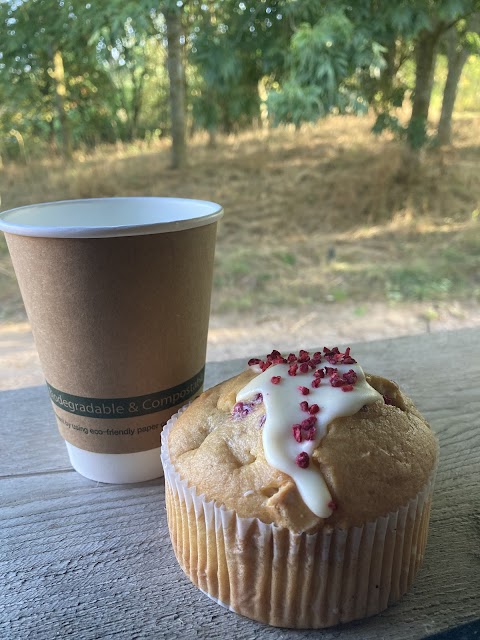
30 439
84 560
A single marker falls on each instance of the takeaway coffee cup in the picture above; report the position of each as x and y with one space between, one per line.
117 292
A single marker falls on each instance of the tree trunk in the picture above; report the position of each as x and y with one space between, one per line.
60 92
136 102
456 61
457 55
176 74
212 137
425 57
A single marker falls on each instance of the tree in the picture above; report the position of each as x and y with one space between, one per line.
131 52
423 23
58 74
49 73
346 56
80 74
33 47
460 40
176 74
231 45
327 63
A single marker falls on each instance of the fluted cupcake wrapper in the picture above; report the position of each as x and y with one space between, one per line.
286 579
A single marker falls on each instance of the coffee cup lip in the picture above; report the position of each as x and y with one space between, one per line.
109 217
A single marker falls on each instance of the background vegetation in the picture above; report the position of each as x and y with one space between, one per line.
341 138
74 75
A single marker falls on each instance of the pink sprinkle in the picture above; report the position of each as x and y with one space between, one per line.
308 422
303 460
304 391
292 371
332 505
297 432
275 379
330 354
253 361
314 409
350 377
304 405
316 383
336 380
310 433
347 387
241 409
335 359
347 358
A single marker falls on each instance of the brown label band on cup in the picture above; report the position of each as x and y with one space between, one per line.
120 425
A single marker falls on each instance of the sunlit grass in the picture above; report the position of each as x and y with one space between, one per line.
325 214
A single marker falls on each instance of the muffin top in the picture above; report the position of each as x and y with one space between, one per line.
305 441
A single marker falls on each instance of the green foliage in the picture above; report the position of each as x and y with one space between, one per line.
231 48
472 42
294 104
288 258
328 61
132 55
111 57
109 80
414 22
415 132
388 122
417 282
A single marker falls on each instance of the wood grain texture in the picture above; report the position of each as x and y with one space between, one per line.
84 560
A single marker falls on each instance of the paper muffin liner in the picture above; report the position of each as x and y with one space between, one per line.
297 580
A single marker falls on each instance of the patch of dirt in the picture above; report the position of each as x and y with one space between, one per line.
328 325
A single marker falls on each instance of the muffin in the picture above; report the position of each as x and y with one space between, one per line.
298 493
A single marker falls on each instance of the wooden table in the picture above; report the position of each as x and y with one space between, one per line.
84 560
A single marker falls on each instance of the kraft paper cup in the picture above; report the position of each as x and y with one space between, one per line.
295 580
117 292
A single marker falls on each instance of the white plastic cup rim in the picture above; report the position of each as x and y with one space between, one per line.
109 217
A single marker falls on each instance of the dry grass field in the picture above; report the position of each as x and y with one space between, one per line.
328 220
